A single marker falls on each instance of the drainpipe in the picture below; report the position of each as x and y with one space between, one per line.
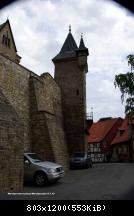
131 139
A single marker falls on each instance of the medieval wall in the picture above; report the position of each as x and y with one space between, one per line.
36 105
11 147
14 82
47 133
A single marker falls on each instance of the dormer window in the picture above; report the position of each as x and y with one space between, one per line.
6 40
121 131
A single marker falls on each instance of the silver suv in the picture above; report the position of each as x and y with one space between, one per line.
40 171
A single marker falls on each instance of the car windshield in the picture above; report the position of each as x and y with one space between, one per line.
79 154
35 157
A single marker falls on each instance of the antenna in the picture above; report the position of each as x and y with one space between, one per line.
69 28
92 113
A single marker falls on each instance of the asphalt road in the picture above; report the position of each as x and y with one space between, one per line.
112 181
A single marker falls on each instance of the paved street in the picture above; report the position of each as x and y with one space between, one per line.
103 182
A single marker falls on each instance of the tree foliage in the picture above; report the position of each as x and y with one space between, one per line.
125 82
131 61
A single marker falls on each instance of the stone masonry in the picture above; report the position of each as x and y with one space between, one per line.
7 43
11 147
70 74
14 82
36 100
47 120
38 113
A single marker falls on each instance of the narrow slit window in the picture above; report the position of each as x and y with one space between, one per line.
8 42
77 92
3 39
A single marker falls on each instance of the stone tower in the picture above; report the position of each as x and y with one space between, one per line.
70 74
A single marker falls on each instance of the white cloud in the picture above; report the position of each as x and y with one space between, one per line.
40 28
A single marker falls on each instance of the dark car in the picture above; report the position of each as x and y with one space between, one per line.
80 159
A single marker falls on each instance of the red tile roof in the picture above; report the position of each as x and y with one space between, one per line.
125 135
99 130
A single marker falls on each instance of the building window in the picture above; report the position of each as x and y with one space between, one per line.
121 132
6 40
3 39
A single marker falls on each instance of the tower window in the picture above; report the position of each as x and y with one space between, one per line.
6 40
77 92
121 131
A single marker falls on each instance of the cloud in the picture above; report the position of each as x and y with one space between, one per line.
40 28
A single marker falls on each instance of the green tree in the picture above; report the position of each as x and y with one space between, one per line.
125 82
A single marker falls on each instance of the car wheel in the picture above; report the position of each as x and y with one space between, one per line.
87 166
40 179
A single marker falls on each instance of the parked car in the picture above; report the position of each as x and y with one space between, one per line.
80 159
41 171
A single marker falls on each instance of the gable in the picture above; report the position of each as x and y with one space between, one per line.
7 43
7 35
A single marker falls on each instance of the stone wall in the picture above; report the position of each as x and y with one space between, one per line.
11 147
33 121
47 133
14 82
72 81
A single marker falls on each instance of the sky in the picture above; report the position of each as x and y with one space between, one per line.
41 27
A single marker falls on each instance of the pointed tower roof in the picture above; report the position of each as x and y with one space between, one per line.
69 44
68 48
82 45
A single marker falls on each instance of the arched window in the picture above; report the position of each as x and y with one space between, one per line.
6 40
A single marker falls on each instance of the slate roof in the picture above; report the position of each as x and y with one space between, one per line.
99 130
82 45
68 49
69 44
